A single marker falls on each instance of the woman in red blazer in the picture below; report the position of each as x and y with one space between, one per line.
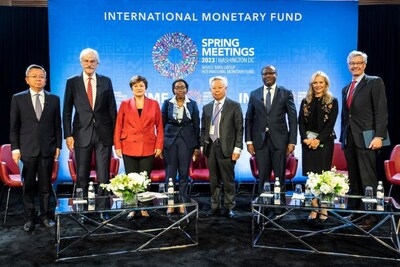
139 133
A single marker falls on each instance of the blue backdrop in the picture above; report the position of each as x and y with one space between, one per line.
194 40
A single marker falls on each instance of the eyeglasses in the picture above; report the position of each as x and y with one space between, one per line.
41 77
356 63
180 88
269 73
89 61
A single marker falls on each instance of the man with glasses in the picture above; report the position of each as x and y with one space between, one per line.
269 137
92 129
35 137
364 112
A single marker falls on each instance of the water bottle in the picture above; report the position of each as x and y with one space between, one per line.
369 193
170 192
307 197
277 191
161 188
91 197
380 197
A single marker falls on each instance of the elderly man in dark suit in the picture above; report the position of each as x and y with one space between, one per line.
35 136
267 134
92 129
364 108
222 142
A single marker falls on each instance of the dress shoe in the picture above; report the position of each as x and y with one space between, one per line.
182 210
310 220
144 213
48 223
130 216
368 223
213 212
170 211
230 214
29 226
104 216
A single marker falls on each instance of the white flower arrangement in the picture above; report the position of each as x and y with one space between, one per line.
328 183
127 185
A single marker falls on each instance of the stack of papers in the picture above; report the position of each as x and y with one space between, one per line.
298 196
147 196
266 194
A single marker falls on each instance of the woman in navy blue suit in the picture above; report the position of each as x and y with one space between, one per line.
181 122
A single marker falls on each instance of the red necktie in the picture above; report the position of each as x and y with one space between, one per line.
90 92
351 92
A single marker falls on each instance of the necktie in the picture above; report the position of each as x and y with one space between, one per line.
90 92
351 92
215 122
268 99
38 107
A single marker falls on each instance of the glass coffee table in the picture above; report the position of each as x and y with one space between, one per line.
284 227
82 233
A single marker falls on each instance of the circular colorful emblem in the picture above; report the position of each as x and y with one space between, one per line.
162 50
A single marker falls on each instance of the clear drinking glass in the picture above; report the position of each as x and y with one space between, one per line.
161 188
79 196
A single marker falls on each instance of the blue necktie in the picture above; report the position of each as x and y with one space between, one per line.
268 99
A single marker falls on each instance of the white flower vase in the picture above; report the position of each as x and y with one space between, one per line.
130 200
327 200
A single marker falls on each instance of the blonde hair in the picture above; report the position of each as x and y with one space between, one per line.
327 96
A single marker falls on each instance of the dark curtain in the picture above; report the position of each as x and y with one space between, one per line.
24 40
379 37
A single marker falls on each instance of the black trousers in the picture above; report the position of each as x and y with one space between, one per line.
83 157
40 168
178 157
361 164
269 158
221 173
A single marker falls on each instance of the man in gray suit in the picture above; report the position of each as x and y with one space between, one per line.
267 134
222 142
92 129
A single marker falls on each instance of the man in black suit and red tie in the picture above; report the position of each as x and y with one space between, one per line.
364 108
92 129
222 142
35 136
269 137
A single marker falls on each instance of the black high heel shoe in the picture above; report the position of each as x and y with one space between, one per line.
130 216
311 219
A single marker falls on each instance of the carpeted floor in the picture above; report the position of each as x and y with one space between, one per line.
222 242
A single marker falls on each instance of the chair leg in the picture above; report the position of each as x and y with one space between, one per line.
73 189
191 184
54 193
254 188
6 210
390 190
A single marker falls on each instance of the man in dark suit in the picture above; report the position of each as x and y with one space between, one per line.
35 136
364 108
92 129
267 134
222 142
